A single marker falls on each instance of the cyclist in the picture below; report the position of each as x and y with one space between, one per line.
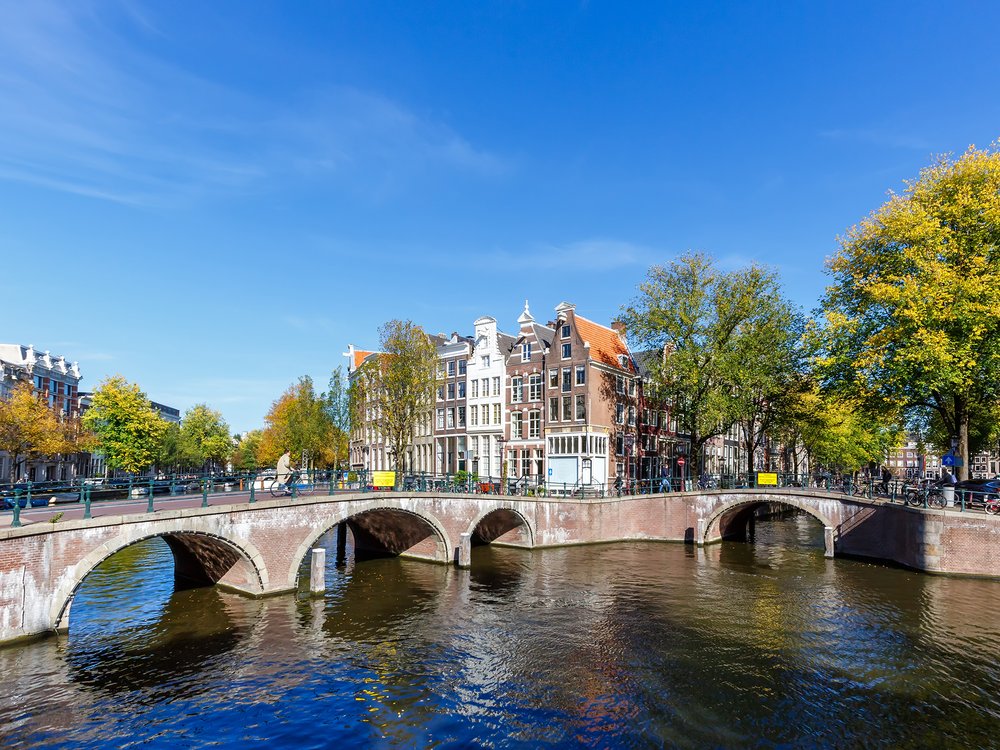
285 474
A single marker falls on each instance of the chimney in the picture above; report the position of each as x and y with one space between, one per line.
618 327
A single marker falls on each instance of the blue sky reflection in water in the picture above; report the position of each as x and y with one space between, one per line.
215 198
624 645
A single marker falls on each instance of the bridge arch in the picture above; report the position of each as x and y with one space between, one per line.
501 521
734 515
375 525
200 556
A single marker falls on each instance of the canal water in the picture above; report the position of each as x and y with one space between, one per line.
765 644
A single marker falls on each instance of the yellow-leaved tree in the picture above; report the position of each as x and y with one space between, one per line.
911 323
29 428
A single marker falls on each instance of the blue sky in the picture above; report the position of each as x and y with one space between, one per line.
215 198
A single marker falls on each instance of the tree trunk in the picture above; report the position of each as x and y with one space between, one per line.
962 418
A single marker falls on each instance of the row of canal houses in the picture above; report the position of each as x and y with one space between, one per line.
562 401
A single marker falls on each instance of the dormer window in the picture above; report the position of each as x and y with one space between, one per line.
486 360
623 361
526 351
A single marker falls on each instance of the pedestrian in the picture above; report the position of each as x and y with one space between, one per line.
665 480
886 476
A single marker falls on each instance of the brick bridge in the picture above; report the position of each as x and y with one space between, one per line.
258 549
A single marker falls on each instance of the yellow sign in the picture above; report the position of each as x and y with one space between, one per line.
383 479
764 479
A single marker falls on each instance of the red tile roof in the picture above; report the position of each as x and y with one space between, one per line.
605 343
359 356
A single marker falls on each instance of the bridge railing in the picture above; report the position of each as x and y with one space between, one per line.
974 496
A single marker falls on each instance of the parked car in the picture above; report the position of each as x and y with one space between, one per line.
977 491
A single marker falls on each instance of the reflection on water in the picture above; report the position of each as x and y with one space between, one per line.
737 645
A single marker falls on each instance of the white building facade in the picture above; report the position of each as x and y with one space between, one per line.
486 386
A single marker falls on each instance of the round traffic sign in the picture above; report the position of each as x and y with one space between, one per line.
680 461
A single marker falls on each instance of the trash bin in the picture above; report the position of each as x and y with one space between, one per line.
949 496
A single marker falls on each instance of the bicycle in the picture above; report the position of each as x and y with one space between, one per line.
279 489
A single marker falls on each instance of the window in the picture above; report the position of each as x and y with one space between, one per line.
581 407
486 387
535 388
567 351
496 386
475 389
461 389
461 367
451 419
451 391
526 351
451 367
567 381
553 378
619 413
473 415
620 384
565 331
631 415
496 414
567 408
461 416
440 393
631 387
619 445
516 424
554 409
486 413
485 360
534 424
581 375
440 419
515 389
475 445
440 369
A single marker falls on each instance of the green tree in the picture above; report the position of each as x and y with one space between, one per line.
767 366
298 422
205 440
392 392
912 319
128 428
169 456
246 449
838 434
338 408
713 328
29 428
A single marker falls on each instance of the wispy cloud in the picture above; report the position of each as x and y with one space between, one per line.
879 136
89 110
599 254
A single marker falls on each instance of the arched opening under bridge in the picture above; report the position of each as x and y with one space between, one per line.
739 521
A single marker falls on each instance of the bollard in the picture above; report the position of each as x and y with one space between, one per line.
827 541
86 502
253 486
317 572
204 493
463 555
16 520
700 539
